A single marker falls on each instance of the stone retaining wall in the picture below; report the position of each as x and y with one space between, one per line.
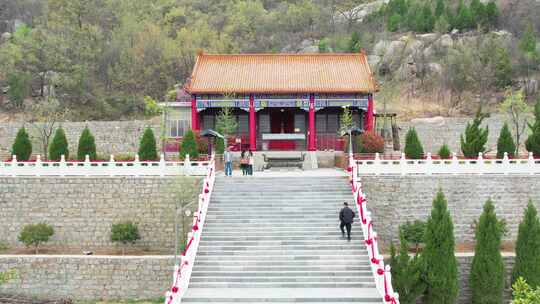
112 137
82 210
433 133
464 270
89 277
145 277
396 200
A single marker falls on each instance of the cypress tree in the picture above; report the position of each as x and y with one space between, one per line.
147 146
464 18
22 147
527 263
505 143
438 255
354 43
444 152
413 146
478 10
189 145
220 145
533 142
59 145
492 14
487 270
407 273
87 145
475 137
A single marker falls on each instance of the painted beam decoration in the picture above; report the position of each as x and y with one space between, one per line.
282 101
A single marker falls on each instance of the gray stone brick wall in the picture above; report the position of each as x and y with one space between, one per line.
464 270
82 210
396 200
448 130
112 137
89 277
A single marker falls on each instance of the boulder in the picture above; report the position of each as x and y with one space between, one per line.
5 37
435 68
446 41
429 37
374 60
381 47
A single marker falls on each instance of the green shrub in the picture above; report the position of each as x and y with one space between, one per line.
505 143
413 146
438 255
22 147
527 262
220 145
487 270
414 232
371 142
533 142
475 137
3 246
87 145
147 146
125 233
124 157
444 152
35 235
59 146
407 273
189 146
524 294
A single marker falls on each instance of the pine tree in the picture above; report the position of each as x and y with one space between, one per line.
505 143
59 145
407 273
503 68
438 255
87 145
527 262
354 43
189 146
428 21
478 11
413 146
439 8
527 45
475 137
533 142
487 270
464 20
22 147
147 146
492 14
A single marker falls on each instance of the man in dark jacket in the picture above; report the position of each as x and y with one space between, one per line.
346 217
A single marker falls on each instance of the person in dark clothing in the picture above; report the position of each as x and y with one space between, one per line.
346 217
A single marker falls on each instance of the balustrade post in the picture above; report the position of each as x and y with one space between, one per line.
455 164
506 164
531 163
187 165
162 166
14 165
39 165
112 166
62 166
136 165
429 164
87 166
402 164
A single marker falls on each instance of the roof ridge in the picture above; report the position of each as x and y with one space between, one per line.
281 54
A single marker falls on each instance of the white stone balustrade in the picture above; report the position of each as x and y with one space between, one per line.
453 166
103 168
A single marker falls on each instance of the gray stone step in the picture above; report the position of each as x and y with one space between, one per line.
277 240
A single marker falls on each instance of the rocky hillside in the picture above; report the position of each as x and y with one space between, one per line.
102 58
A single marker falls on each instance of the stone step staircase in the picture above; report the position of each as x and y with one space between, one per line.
277 240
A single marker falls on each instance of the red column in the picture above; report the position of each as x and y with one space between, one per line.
312 133
194 115
252 125
369 118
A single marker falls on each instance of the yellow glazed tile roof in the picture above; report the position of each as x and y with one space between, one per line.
281 73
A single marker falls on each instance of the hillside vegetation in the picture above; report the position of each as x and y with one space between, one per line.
101 58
